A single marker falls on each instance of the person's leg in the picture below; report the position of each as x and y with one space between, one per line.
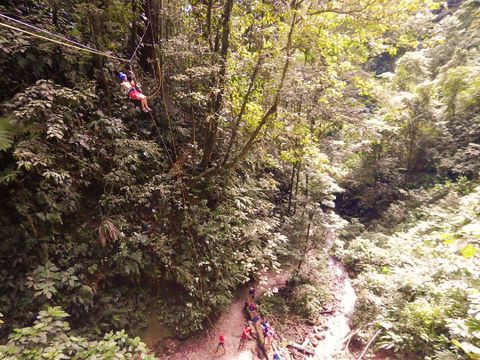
144 101
144 105
138 96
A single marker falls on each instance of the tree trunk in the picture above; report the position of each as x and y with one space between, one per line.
147 54
299 164
273 108
306 185
251 84
291 188
132 40
210 139
208 33
307 240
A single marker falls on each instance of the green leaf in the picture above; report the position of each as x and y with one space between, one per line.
448 238
7 176
6 134
468 251
57 312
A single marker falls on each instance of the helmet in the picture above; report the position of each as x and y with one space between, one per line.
122 76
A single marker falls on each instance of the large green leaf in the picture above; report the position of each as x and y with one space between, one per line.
468 251
6 134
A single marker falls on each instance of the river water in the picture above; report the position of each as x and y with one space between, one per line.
337 326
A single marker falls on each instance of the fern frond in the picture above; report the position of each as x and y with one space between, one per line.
6 134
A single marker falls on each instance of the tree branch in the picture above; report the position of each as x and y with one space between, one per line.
267 115
342 11
246 98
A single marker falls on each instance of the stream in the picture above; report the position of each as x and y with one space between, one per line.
336 327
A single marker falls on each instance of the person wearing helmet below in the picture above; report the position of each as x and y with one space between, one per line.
133 91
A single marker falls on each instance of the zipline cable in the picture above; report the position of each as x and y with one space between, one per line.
72 43
33 27
96 52
46 32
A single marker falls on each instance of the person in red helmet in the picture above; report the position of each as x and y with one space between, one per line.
133 91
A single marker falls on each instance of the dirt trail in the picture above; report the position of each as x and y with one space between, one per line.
231 323
334 330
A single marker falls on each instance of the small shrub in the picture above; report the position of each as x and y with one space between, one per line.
307 300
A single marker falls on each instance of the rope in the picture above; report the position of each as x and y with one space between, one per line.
156 91
157 73
183 192
76 45
96 52
161 137
169 120
140 43
46 32
159 87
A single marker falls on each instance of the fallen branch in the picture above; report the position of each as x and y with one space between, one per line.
346 350
327 312
349 339
302 348
298 332
369 343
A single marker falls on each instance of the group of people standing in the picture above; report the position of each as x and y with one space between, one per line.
246 335
266 329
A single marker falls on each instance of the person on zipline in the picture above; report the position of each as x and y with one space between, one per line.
133 91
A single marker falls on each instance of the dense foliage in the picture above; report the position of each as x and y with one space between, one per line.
423 126
48 338
418 280
416 265
261 110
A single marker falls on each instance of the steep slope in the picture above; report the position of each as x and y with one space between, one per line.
417 275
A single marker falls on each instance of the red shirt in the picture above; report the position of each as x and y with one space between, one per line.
245 333
221 339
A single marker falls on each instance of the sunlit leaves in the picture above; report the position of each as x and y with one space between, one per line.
432 259
468 251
